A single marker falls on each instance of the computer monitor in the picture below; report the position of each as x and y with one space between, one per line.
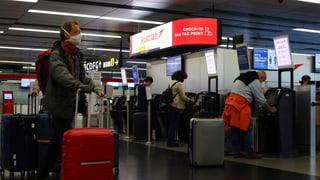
135 74
26 82
316 68
173 64
243 59
264 59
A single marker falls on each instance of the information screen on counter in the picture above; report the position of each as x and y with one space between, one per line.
135 74
124 77
264 59
243 60
317 63
283 51
173 64
211 65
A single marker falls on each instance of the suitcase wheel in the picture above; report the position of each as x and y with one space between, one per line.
116 170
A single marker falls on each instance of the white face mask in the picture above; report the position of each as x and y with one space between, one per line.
75 40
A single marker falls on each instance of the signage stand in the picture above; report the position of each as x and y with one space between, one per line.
149 98
108 113
209 83
128 121
280 71
8 102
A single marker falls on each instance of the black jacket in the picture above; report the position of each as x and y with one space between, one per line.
62 85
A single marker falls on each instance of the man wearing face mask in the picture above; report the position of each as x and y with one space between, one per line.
66 75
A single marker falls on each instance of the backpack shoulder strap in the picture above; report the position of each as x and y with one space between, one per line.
174 83
172 87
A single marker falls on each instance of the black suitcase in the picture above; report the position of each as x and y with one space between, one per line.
18 143
210 105
44 134
140 126
116 151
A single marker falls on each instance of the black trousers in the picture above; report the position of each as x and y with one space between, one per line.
55 147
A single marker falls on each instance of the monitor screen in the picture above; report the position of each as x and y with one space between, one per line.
283 51
264 59
135 74
243 60
174 63
26 82
7 96
124 77
211 65
317 63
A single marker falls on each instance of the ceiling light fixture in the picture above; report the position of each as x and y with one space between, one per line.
33 30
131 20
22 48
62 13
57 32
310 1
136 62
30 1
92 16
1 32
101 35
106 49
16 62
307 30
29 67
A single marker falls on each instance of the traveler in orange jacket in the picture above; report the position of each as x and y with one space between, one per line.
237 111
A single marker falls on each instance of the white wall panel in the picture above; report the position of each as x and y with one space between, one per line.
227 71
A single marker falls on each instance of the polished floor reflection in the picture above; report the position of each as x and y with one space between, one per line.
139 161
144 162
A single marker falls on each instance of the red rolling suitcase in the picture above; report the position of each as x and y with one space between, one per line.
87 153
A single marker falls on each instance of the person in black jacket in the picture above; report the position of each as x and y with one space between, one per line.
66 76
142 97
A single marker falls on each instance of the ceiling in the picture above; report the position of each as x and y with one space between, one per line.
259 21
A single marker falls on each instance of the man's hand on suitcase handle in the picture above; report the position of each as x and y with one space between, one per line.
100 93
89 89
86 89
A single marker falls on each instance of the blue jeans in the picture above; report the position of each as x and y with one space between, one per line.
241 140
173 120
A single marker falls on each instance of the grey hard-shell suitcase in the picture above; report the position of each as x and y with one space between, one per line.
206 144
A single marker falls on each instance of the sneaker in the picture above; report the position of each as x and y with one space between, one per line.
253 156
238 155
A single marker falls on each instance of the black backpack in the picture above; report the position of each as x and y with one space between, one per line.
167 95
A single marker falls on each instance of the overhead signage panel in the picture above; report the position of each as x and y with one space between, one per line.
283 51
189 31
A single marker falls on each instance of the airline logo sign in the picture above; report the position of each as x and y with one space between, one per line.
152 39
190 31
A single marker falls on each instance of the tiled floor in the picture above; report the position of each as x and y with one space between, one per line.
139 161
157 162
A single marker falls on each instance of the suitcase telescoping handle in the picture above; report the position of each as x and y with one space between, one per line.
78 118
32 104
98 107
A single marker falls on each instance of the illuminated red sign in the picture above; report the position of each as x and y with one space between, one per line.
189 31
195 31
